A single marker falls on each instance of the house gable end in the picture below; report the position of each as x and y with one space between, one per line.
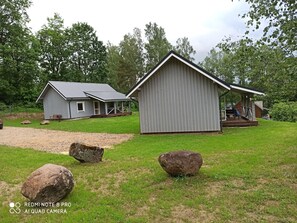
188 63
178 99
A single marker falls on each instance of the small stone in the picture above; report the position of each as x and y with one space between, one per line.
49 183
181 163
85 153
26 122
45 122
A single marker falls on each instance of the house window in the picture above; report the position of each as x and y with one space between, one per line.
80 106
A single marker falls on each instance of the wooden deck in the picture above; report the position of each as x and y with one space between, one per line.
239 123
112 115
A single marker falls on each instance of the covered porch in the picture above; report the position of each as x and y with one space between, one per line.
240 114
109 104
111 109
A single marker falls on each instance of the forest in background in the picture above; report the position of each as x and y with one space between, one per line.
29 60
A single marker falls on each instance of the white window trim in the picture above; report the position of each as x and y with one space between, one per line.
83 105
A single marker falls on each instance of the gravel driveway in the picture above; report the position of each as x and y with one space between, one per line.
56 141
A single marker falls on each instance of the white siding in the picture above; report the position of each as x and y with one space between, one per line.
178 99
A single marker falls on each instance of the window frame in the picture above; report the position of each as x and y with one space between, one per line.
83 106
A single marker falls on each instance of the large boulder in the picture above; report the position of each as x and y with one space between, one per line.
181 163
85 153
49 183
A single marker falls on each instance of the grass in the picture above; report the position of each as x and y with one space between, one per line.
248 175
125 124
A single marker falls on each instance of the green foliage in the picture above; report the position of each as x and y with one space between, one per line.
53 50
71 54
126 62
157 45
241 180
134 56
86 61
255 65
284 111
280 18
184 48
18 54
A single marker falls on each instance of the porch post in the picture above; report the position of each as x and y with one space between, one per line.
106 111
115 107
253 111
122 107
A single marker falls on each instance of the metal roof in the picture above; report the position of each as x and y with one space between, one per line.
78 90
106 96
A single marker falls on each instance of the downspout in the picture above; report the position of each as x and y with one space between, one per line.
69 108
221 124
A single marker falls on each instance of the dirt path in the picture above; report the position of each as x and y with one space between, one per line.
56 141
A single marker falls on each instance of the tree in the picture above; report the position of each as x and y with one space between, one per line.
129 61
87 55
255 65
113 64
18 54
281 19
54 53
157 45
184 48
220 64
126 62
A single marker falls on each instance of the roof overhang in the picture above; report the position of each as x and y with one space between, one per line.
183 60
241 89
105 100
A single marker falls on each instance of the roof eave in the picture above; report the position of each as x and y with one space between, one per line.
105 100
240 88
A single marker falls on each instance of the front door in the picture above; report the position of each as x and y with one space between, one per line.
96 108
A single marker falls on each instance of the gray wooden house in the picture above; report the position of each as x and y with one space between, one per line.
67 100
179 96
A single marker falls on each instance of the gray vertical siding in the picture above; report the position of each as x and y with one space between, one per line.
54 104
178 99
89 109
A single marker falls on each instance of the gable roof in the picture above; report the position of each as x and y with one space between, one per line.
172 54
197 68
81 91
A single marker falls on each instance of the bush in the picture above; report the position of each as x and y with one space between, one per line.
3 106
284 111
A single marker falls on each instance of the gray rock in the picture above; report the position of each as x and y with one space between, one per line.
181 163
84 153
49 183
26 122
45 122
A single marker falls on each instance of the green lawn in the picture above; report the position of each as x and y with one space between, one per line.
125 124
248 175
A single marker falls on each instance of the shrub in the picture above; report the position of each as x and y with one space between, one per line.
3 106
284 111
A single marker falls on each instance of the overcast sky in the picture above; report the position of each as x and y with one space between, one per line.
204 22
